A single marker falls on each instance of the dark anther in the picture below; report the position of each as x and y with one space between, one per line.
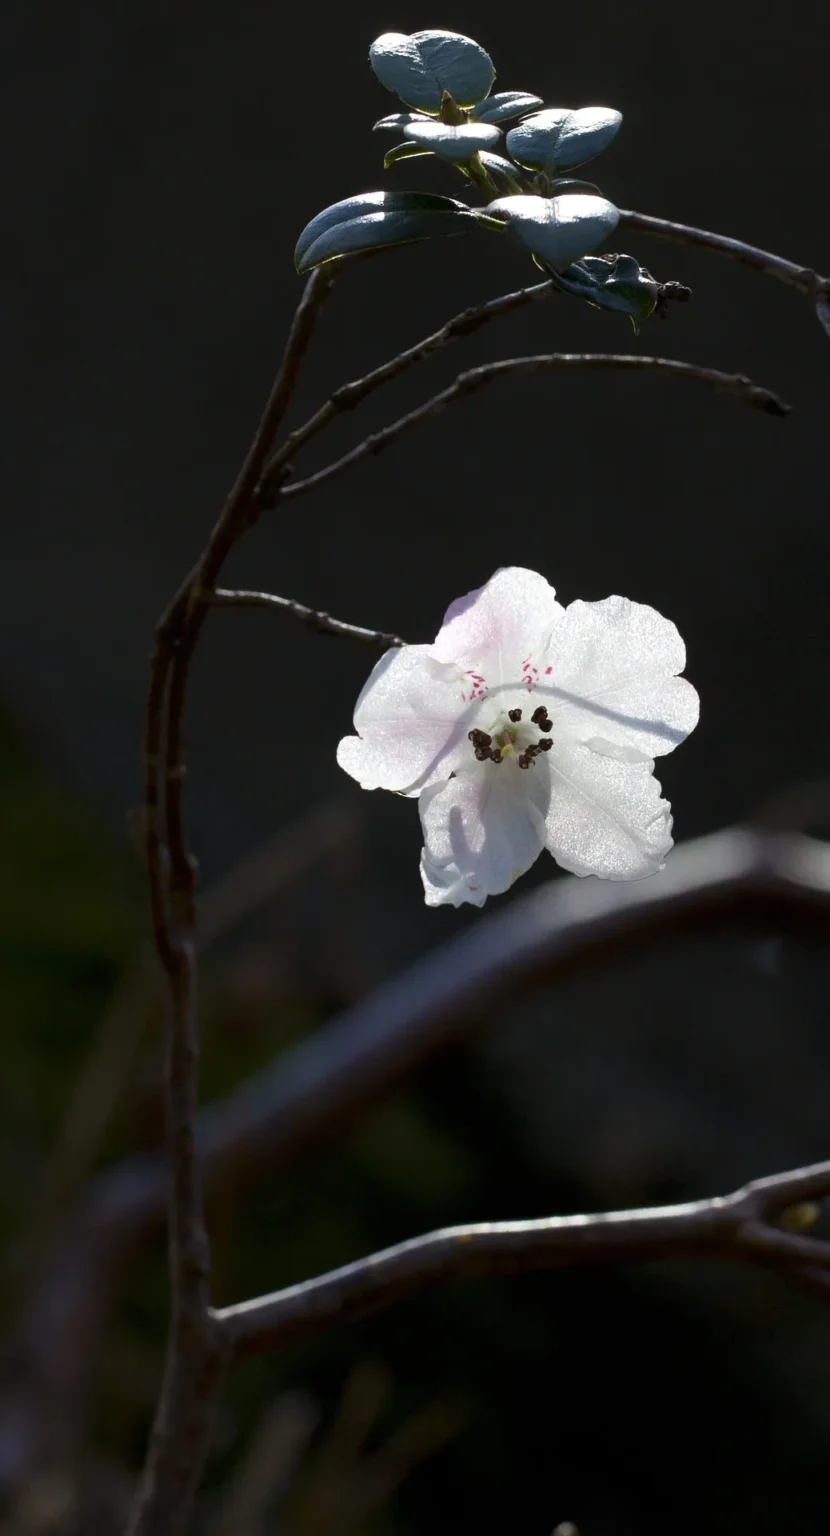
482 753
544 745
479 738
495 755
524 760
515 715
539 715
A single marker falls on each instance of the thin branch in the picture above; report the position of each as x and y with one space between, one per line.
314 1091
349 395
803 279
735 1227
473 379
194 1352
322 623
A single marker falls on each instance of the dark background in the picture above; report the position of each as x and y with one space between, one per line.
159 163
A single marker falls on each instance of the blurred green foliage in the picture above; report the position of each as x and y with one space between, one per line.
70 914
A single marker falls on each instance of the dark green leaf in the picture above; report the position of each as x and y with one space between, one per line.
405 151
504 105
367 203
562 184
375 219
558 139
399 122
503 172
420 67
611 282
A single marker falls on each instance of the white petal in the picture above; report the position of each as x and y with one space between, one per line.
482 829
614 683
605 817
500 626
410 720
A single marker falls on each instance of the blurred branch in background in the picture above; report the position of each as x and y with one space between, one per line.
323 835
323 1083
339 1483
269 1465
45 1416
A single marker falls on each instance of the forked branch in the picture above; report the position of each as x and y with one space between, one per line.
743 1227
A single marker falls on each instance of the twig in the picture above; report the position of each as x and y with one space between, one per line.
349 395
326 1081
803 279
322 623
735 384
194 1353
735 1227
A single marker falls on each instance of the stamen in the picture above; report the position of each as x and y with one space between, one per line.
515 715
482 753
479 738
544 744
495 755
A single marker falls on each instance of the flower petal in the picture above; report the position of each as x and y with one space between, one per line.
496 628
614 682
482 829
410 718
605 817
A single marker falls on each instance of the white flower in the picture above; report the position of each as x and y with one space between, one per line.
527 726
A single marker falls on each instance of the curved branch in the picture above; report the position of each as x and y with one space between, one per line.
803 279
194 1351
737 1227
473 379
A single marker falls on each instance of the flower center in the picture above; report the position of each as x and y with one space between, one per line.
513 737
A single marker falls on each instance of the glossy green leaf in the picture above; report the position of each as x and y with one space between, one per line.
562 184
558 229
558 139
399 122
405 151
611 282
503 172
454 143
375 219
368 203
505 105
421 66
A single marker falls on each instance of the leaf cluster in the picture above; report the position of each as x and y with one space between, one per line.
444 81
